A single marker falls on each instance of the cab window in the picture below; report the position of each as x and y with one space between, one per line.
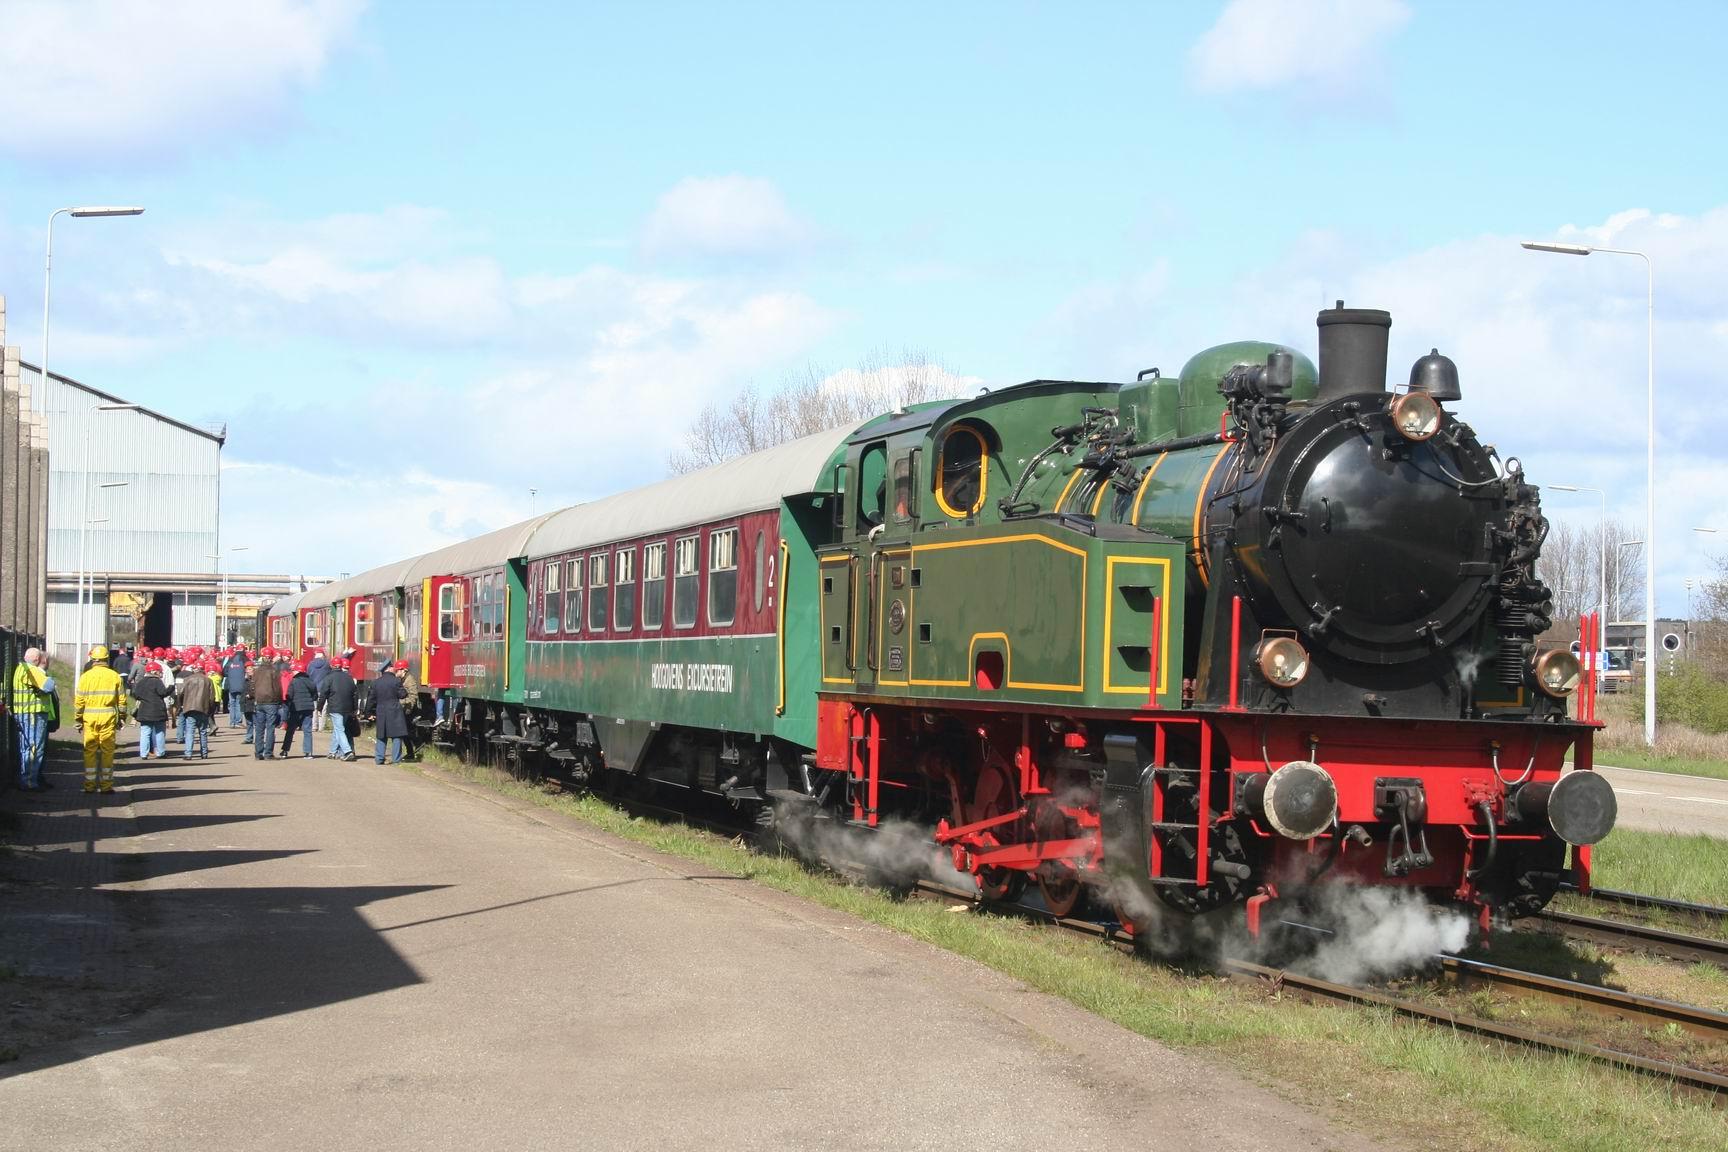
872 486
960 477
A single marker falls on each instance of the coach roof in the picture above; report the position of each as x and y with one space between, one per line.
489 551
750 483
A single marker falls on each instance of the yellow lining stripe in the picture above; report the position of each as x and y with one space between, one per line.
822 616
1145 483
1199 507
883 559
780 627
1073 478
1008 680
1164 628
983 472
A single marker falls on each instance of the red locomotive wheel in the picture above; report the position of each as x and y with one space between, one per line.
994 795
1061 892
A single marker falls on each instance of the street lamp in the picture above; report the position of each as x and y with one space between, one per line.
1650 463
84 504
48 275
222 566
1602 587
1617 555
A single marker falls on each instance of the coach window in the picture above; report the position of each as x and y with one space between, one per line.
362 622
313 632
599 592
872 485
551 616
684 582
489 610
624 585
653 585
573 595
410 616
960 472
450 611
722 576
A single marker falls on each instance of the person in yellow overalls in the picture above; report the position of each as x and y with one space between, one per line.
98 710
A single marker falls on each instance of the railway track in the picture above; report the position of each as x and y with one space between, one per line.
1647 1012
1622 933
1623 1006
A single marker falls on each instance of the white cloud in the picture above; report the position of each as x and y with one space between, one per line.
1327 45
321 522
725 217
1550 351
89 81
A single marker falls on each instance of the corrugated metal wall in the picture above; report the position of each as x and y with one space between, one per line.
194 622
165 518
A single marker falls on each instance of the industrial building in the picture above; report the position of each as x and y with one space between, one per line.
134 499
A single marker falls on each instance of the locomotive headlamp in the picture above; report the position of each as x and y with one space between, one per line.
1558 673
1282 660
1416 415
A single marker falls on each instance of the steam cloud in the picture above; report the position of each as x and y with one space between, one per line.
1381 932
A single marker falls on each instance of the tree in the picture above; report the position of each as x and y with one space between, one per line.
808 401
1571 566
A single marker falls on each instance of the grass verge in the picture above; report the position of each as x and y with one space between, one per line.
1377 1073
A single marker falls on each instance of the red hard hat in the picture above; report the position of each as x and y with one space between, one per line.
297 666
152 666
400 665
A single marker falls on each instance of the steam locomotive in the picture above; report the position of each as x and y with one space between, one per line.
1179 643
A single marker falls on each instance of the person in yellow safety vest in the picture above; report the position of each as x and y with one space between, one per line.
32 704
98 711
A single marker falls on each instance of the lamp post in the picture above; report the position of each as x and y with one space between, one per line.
1650 462
1617 555
222 566
48 275
84 505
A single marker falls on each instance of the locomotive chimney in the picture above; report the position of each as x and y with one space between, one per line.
1352 351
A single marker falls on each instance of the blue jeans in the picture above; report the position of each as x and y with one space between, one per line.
395 750
236 714
292 720
151 738
264 731
195 726
32 747
339 743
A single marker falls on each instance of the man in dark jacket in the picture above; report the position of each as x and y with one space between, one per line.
387 695
234 683
123 661
337 698
300 700
266 701
152 711
197 701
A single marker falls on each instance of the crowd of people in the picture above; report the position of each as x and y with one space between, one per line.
270 695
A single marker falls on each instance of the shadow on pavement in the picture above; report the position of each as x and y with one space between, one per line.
97 955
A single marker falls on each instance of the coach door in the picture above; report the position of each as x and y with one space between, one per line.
839 576
441 629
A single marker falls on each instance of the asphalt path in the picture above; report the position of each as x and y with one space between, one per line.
1665 802
351 956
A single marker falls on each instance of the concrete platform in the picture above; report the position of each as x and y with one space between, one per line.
344 956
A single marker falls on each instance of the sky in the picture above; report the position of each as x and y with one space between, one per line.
421 258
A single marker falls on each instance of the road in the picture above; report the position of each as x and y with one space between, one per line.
344 956
1664 802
